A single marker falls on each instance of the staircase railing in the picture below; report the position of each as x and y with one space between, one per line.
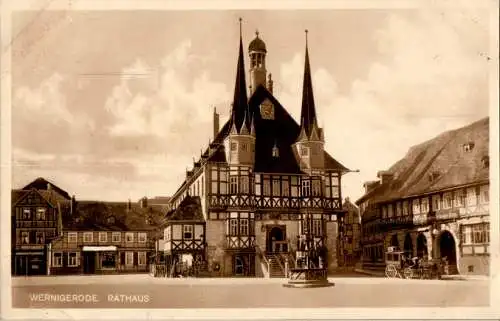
263 257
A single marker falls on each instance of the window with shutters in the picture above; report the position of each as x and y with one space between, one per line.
233 184
88 237
306 187
103 237
276 186
141 258
316 187
244 184
57 259
187 232
72 237
116 237
243 226
285 187
129 237
129 258
73 259
40 213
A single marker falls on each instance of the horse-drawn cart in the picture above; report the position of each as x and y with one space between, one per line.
399 265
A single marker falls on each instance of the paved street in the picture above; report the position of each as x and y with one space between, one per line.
144 291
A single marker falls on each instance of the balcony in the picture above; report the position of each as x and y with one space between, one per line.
224 201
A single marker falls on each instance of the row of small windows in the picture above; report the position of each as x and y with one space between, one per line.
459 198
72 259
243 146
29 213
475 234
116 237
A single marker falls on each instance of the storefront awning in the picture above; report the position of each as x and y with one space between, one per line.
99 248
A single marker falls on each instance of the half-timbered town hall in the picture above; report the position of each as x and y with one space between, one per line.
263 181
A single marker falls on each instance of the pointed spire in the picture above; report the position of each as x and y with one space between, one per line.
252 127
315 135
308 111
244 127
240 100
302 136
234 128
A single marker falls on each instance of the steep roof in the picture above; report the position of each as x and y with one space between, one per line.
351 209
437 164
42 184
189 210
113 216
283 131
308 109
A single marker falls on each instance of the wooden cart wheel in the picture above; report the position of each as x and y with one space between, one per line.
408 273
390 271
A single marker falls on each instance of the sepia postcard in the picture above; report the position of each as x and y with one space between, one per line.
249 160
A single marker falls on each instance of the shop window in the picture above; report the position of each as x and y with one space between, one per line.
72 259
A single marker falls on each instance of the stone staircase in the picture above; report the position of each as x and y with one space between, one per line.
276 268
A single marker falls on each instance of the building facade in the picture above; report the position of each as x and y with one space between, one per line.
36 220
434 203
54 234
350 234
264 179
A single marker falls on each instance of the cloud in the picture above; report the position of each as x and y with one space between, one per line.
432 77
184 92
46 103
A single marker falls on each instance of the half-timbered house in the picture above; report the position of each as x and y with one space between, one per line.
350 233
104 238
184 237
264 178
37 210
433 203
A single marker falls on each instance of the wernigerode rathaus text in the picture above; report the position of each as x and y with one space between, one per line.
263 181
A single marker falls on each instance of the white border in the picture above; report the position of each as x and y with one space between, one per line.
345 313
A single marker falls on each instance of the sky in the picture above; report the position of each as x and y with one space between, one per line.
112 105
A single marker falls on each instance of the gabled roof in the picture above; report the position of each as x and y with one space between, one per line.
438 164
42 184
351 209
113 216
189 210
283 131
53 198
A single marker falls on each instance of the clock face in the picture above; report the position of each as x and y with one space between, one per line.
267 110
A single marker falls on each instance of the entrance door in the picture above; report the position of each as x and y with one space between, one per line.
447 250
408 246
239 265
421 245
276 239
89 262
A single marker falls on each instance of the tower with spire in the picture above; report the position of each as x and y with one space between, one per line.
257 51
266 178
240 143
309 147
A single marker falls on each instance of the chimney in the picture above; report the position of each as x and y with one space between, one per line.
216 122
49 187
129 205
270 83
144 202
73 205
385 177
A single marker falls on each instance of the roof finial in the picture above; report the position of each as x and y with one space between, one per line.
306 36
257 32
240 27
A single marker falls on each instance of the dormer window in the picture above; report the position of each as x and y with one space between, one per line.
468 147
485 161
275 152
433 176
